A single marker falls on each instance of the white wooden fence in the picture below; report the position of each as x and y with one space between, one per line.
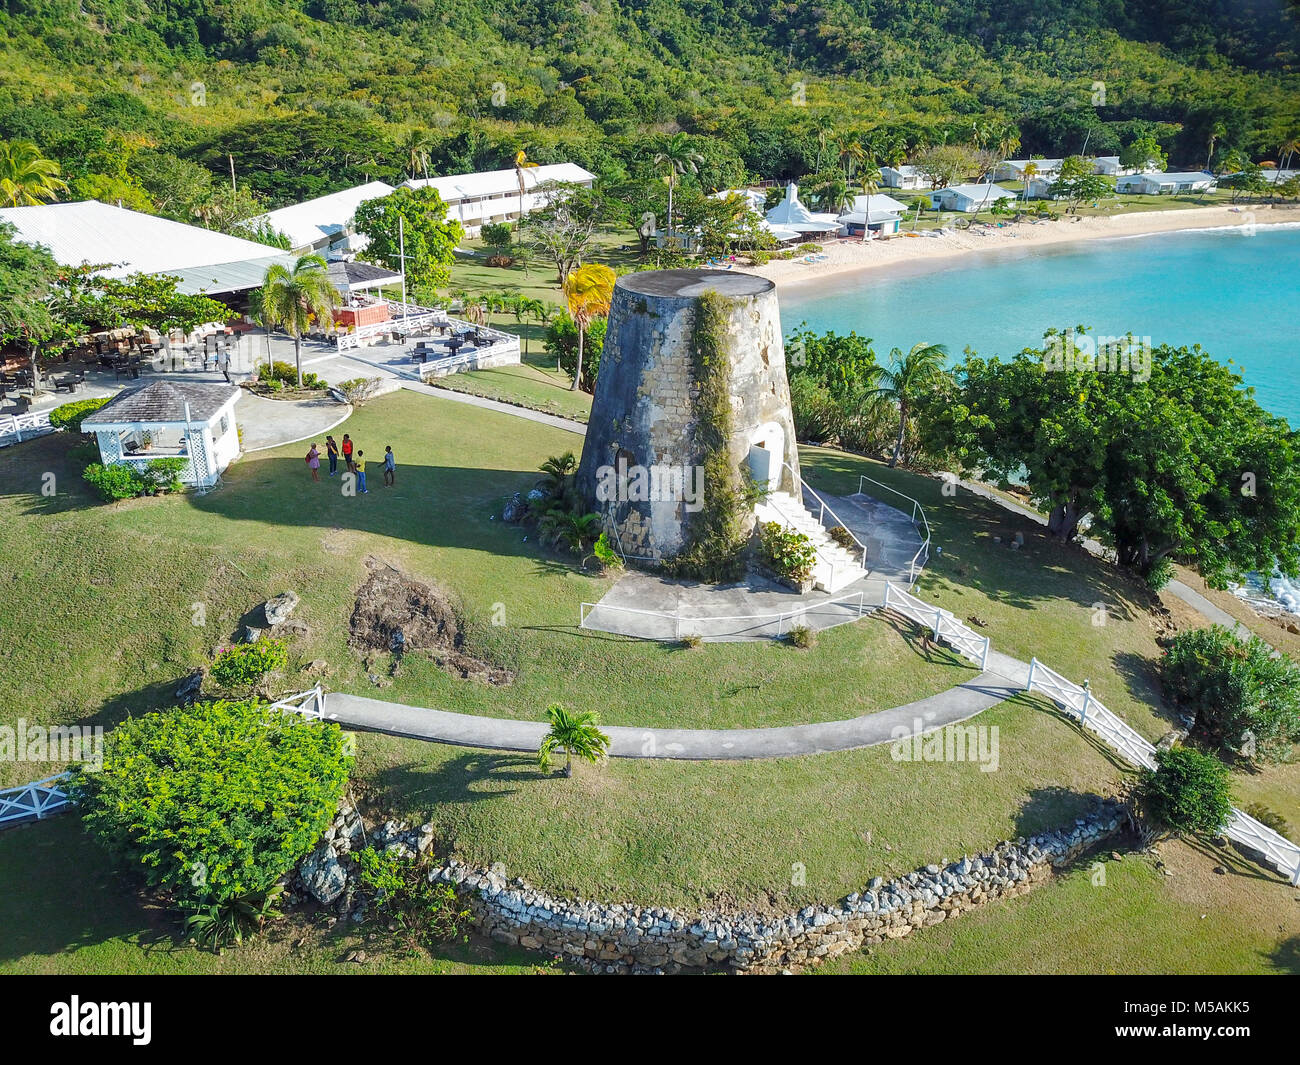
965 641
15 428
32 802
1092 715
310 704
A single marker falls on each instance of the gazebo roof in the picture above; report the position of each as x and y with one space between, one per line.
161 403
347 276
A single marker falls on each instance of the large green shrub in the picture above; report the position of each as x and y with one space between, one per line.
1241 696
788 553
69 416
215 801
1188 792
114 481
245 664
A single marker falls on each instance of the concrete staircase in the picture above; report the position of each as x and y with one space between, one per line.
835 567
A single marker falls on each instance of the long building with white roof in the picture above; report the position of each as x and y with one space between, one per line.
493 196
125 242
324 225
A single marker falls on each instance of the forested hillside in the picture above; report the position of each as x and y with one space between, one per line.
151 101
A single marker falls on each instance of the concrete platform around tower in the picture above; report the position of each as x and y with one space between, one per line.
648 606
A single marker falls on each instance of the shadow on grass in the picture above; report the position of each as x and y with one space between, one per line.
1053 807
1285 957
469 777
1140 677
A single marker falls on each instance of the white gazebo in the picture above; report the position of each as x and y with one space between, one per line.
170 419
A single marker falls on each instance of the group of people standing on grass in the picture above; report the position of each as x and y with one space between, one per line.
354 459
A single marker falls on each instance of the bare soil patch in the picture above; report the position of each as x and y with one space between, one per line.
397 614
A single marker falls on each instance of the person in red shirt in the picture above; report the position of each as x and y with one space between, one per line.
347 453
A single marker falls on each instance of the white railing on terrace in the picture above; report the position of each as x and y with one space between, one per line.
15 428
923 552
962 639
802 486
32 802
850 607
1079 701
403 317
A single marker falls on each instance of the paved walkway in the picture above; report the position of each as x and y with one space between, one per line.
947 708
649 607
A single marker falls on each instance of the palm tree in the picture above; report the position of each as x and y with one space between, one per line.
678 156
1285 151
573 733
1216 131
526 307
824 130
870 186
588 291
522 166
416 145
27 178
833 195
1030 171
905 379
850 153
295 298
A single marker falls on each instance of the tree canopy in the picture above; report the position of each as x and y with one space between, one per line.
1172 458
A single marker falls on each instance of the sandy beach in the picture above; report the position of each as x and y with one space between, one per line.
926 251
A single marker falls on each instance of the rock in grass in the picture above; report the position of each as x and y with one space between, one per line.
278 608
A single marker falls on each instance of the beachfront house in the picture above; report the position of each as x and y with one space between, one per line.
324 225
901 177
1107 165
791 215
493 196
194 421
873 216
970 198
1014 169
1165 184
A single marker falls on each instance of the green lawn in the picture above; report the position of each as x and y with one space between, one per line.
532 384
107 606
66 909
1138 921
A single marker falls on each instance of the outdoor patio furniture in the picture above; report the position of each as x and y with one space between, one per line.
71 382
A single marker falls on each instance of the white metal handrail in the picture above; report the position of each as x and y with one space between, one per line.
32 423
310 704
914 567
803 486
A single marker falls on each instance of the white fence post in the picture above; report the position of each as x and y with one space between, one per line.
984 658
1087 700
938 621
1029 684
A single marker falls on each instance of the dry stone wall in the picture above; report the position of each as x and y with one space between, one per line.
625 938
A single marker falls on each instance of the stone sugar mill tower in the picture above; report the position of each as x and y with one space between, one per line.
647 429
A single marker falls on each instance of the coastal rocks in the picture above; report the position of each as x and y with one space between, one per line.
278 608
625 938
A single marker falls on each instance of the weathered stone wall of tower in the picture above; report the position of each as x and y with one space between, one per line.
644 415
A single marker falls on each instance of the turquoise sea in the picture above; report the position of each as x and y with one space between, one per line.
1234 293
